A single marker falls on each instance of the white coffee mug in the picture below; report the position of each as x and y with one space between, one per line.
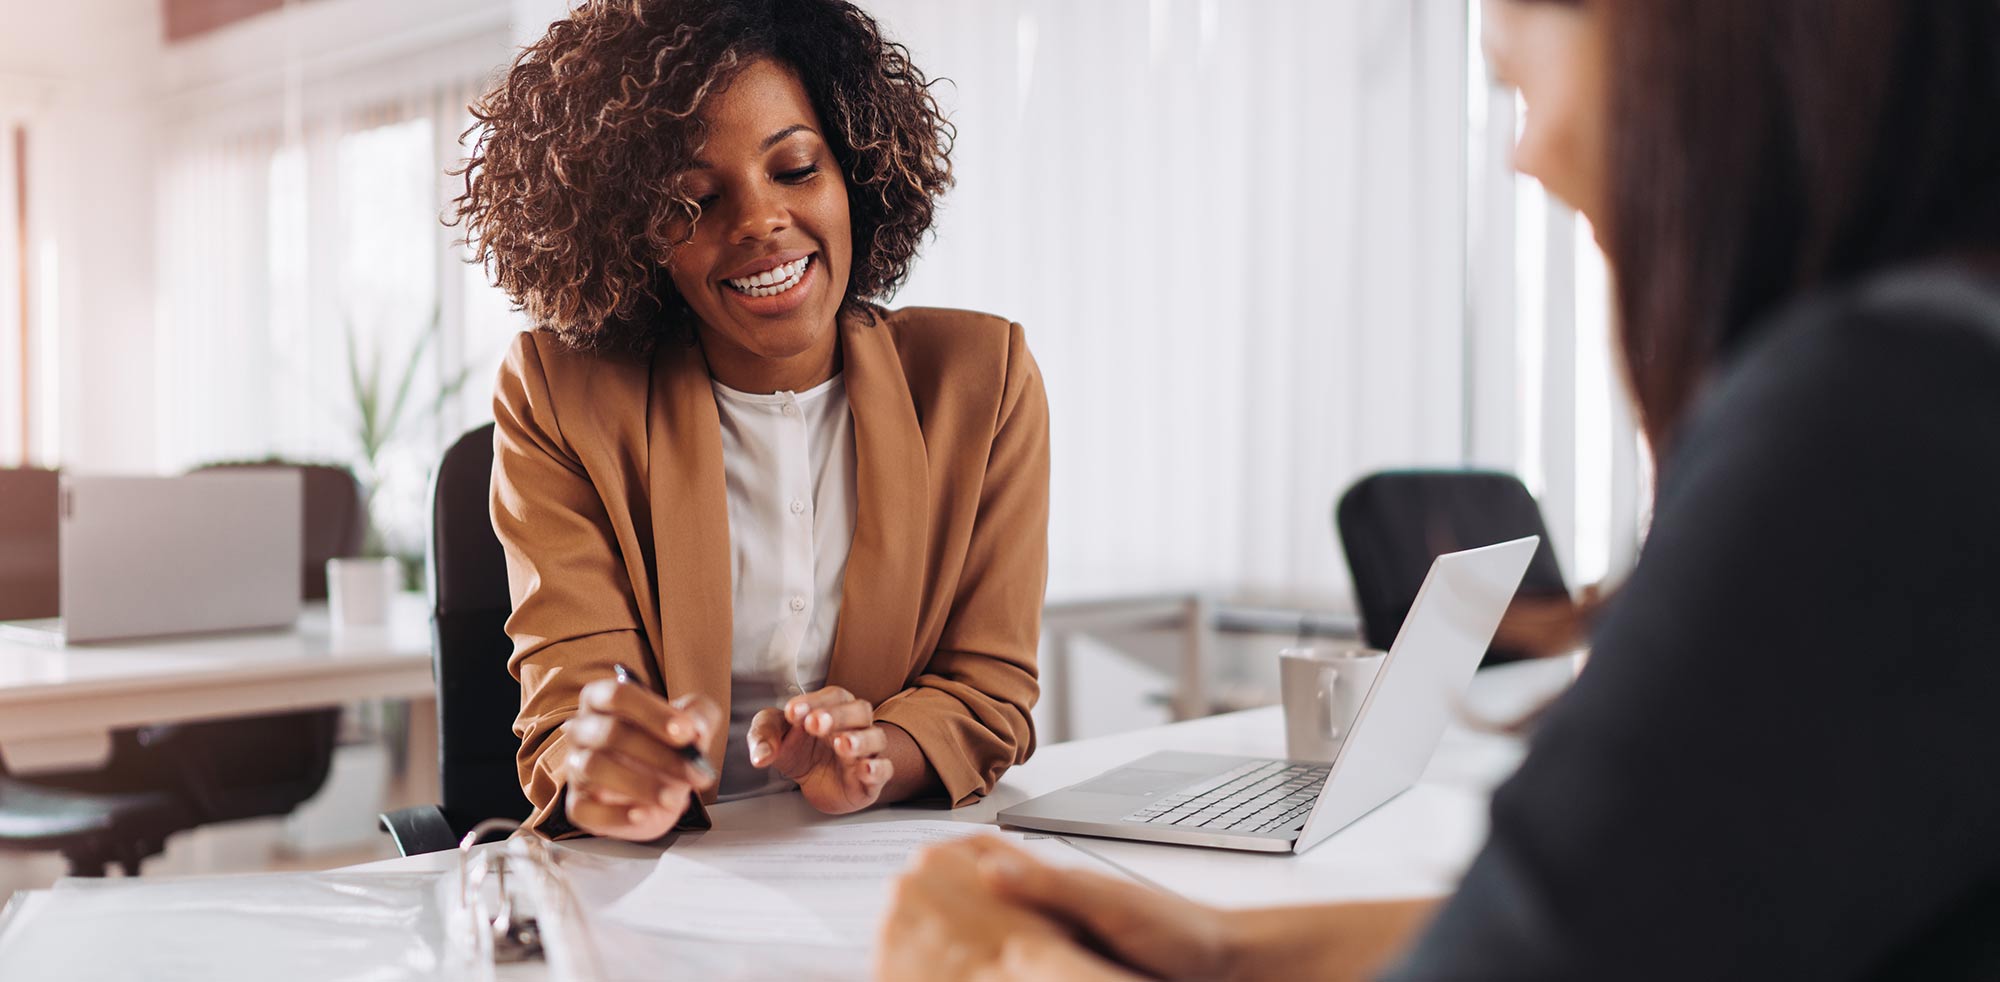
358 591
1322 690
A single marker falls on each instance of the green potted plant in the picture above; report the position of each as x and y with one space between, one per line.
386 406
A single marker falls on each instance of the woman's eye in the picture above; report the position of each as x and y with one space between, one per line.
799 176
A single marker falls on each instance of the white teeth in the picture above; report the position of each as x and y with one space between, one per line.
772 282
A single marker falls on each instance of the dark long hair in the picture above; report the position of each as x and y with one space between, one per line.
1760 149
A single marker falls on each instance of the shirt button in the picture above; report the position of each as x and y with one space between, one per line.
798 507
795 690
798 604
791 410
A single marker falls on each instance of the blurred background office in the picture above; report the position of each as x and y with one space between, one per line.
1261 247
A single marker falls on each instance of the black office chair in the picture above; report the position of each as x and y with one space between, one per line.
1393 524
91 829
477 699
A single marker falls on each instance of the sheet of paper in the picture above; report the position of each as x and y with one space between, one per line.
827 885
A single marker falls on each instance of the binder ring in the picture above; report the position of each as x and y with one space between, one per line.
503 935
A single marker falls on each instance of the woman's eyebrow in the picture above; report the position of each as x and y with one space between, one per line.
769 142
775 138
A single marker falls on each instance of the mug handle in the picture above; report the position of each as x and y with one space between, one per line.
1329 679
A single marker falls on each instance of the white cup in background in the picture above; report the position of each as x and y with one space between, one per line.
358 591
1322 691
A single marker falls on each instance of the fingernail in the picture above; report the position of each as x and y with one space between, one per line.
876 767
670 798
636 816
677 731
825 721
844 743
759 750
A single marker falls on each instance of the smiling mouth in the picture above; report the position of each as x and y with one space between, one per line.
773 282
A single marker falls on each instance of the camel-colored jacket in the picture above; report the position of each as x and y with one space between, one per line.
608 497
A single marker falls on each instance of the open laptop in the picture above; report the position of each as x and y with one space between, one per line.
1270 805
152 556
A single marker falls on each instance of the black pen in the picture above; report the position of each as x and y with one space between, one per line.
690 753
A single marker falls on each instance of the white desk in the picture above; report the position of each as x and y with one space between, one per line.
59 703
1418 844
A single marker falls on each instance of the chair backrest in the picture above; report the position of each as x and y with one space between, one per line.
336 515
1393 524
30 557
477 698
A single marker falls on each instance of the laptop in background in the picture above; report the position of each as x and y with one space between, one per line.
156 556
1269 805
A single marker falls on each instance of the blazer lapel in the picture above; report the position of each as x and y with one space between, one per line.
883 586
690 512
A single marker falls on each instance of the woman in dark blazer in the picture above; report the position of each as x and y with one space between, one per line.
811 531
1779 763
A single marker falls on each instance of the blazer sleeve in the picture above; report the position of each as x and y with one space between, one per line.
575 614
968 709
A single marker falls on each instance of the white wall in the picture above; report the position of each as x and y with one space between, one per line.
103 98
1234 232
82 75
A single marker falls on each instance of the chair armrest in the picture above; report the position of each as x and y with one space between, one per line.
419 830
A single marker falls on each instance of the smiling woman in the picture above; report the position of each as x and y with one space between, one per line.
812 530
764 267
588 176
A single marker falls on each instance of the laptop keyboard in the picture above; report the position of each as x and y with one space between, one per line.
1261 796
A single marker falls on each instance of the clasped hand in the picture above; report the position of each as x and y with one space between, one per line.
829 743
627 778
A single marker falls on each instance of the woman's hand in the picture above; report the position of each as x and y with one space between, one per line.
945 924
1149 930
829 743
1541 627
627 779
997 926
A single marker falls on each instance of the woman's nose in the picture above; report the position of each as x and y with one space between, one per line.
759 215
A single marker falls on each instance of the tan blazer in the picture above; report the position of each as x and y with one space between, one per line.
608 497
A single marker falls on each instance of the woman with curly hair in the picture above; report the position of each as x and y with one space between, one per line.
811 532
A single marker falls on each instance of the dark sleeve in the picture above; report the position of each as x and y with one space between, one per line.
1780 761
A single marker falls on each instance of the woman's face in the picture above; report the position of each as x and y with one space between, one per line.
765 268
1553 52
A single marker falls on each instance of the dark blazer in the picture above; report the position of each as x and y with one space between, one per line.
1780 761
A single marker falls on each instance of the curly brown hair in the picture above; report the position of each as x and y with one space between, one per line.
572 199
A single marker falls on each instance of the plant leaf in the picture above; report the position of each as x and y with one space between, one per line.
424 339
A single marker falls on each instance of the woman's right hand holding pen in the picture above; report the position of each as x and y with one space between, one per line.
627 775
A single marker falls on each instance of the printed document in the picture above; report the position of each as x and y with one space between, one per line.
825 885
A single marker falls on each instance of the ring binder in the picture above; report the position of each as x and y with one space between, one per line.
532 915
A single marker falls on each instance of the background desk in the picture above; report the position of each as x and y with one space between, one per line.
1417 844
58 704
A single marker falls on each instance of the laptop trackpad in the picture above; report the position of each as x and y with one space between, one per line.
1135 780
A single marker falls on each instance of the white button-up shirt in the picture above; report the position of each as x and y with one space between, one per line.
788 464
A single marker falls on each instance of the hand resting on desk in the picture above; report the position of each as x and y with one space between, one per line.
626 776
829 744
983 911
